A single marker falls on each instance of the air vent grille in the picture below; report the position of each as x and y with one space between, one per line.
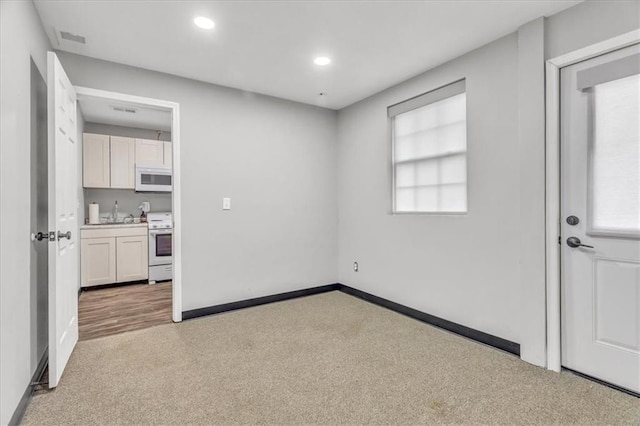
72 37
124 109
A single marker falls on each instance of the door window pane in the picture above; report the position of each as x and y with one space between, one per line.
615 156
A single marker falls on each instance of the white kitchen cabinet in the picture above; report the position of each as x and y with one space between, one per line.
168 155
149 153
123 162
98 261
96 170
132 258
114 254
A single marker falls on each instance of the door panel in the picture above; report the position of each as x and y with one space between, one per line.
600 173
123 162
149 153
98 261
95 161
133 258
63 206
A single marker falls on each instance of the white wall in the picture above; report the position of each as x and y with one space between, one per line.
21 36
589 23
484 270
461 268
275 159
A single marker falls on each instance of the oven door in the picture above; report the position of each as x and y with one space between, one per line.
160 246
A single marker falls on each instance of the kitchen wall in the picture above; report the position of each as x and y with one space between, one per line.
485 269
275 159
128 199
22 39
124 131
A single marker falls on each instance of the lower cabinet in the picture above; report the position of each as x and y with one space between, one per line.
132 258
114 255
98 261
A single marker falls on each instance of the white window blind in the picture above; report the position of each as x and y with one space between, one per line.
615 156
430 152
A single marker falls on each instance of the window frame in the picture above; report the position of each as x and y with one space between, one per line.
438 94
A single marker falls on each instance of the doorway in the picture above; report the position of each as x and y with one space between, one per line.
142 138
596 327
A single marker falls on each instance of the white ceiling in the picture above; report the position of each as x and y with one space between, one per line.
268 46
98 110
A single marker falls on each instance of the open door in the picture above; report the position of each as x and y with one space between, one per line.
63 219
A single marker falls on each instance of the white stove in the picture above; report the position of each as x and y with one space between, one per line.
160 246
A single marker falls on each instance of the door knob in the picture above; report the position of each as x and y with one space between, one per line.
39 236
62 235
575 242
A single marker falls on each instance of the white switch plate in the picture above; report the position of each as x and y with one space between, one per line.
226 204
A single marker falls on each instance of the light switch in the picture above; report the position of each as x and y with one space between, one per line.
226 204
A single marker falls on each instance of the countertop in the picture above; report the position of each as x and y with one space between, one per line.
115 225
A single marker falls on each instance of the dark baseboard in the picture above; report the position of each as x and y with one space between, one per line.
462 330
602 382
479 336
112 285
217 309
26 396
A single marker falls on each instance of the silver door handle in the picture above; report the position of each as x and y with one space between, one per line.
62 235
39 236
575 242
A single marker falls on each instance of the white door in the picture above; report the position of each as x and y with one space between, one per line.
63 220
600 222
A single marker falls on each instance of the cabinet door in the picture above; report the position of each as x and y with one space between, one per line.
133 258
168 155
149 153
98 261
95 161
123 163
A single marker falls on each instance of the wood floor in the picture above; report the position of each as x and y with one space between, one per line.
107 311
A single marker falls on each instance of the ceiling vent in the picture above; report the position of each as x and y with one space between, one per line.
72 37
124 109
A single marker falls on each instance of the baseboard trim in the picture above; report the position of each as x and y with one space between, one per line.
248 303
470 333
18 414
602 382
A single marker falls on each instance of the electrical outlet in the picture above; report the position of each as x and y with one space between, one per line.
226 204
355 266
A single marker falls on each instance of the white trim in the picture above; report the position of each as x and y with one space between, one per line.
552 145
174 108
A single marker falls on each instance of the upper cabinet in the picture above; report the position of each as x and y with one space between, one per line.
110 161
96 171
123 162
167 155
149 153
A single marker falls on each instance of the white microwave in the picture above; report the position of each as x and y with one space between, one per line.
153 179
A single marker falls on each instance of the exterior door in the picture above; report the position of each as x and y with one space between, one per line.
600 217
63 219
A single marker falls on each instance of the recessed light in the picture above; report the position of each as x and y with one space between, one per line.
204 22
322 61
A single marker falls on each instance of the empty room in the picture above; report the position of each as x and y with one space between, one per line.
319 212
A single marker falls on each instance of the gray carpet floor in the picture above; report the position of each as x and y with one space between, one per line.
324 359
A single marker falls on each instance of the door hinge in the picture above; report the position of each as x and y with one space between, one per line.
559 239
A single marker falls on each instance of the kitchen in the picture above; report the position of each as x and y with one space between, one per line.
126 266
